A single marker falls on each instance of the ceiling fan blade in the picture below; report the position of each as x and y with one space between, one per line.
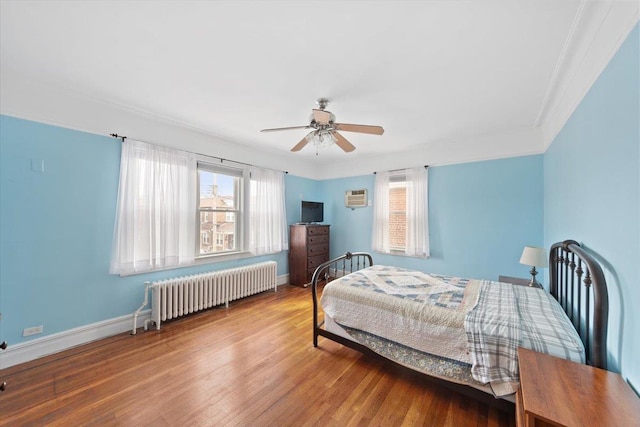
321 116
342 142
289 128
374 130
300 145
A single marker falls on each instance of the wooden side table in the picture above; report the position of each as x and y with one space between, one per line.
558 392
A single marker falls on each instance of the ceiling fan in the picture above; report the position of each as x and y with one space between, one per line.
325 129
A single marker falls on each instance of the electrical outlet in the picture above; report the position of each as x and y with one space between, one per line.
32 331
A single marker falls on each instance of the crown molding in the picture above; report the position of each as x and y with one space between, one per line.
553 81
600 29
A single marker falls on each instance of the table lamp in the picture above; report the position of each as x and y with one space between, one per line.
534 257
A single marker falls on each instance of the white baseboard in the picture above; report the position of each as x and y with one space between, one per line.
50 344
283 280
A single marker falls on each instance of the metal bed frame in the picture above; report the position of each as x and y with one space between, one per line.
571 269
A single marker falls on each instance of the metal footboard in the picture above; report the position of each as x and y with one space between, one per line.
337 267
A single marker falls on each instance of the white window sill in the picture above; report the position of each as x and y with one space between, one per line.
201 260
227 256
399 253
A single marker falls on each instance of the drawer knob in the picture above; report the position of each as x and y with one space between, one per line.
3 386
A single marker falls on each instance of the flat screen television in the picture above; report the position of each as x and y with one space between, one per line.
312 212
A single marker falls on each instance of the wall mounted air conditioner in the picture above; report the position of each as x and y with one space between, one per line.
355 198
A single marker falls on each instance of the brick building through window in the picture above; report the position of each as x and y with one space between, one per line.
218 209
397 215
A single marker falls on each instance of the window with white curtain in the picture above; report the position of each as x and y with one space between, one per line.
155 213
267 212
400 213
174 207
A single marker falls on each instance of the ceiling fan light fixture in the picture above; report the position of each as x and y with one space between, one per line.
321 138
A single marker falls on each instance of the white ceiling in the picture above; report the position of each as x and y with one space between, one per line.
450 81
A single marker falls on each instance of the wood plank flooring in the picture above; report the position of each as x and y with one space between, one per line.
250 365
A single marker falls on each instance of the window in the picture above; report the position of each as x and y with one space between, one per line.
397 214
400 216
174 206
219 209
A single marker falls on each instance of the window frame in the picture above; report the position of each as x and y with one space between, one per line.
240 225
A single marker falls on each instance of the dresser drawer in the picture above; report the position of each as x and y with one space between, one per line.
311 230
321 249
320 238
314 261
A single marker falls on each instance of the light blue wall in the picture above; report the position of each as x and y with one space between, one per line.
481 215
350 229
298 189
592 194
56 228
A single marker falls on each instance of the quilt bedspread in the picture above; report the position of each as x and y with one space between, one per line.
478 323
388 302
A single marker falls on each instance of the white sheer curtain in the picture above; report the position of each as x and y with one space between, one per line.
380 235
388 212
417 237
156 210
267 212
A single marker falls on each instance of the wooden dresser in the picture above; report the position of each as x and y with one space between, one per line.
557 392
308 248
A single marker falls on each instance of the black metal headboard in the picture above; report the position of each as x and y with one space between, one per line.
577 280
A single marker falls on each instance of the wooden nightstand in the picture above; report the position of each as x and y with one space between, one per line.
515 281
558 392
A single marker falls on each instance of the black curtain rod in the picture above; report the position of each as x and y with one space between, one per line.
115 135
396 170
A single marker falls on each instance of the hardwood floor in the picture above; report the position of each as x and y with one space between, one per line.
250 365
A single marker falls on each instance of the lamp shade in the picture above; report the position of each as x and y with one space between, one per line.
535 257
